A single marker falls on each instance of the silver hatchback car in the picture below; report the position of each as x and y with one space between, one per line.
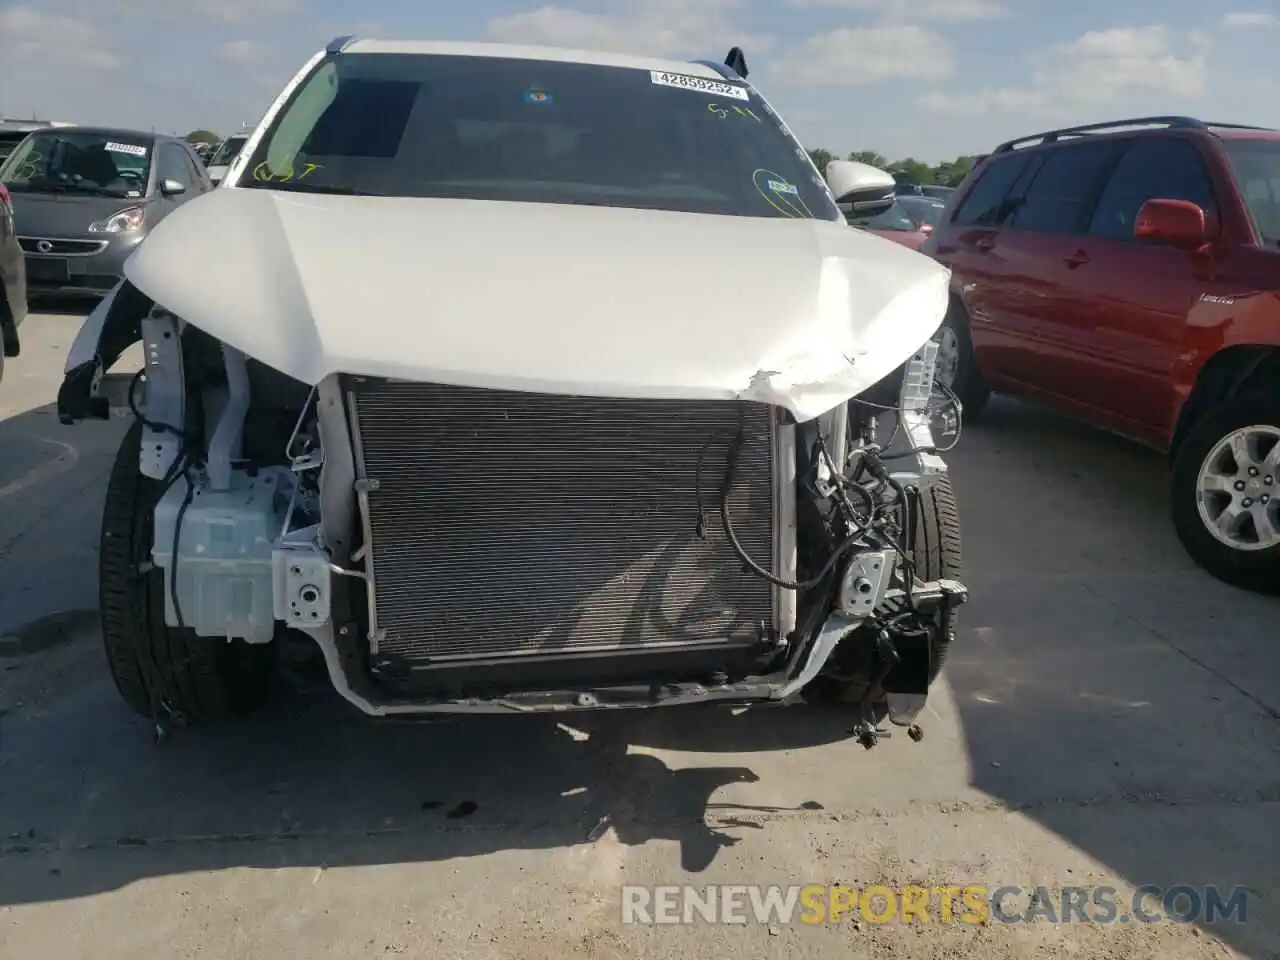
85 197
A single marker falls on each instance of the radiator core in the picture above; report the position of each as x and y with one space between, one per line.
505 525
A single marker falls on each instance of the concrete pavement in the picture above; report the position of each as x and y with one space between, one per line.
1109 716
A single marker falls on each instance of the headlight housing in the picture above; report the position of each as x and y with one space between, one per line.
122 221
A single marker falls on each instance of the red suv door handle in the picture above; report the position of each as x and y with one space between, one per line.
985 244
1076 259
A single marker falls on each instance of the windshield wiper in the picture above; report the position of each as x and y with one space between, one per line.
313 188
63 186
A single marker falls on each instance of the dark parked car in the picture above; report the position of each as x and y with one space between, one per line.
934 190
1129 273
895 223
925 211
84 198
13 282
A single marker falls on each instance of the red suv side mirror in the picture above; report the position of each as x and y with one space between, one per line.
1179 223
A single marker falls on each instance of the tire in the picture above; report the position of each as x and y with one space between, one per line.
968 384
200 679
936 550
1258 569
9 344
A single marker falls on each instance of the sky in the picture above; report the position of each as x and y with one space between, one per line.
929 79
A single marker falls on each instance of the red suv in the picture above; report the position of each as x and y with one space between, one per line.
1129 274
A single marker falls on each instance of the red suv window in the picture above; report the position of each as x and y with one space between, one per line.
1062 191
1151 167
984 205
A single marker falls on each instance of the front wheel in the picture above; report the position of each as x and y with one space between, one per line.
1224 491
160 669
957 365
937 555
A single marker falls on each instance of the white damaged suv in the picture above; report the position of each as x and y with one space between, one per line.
535 380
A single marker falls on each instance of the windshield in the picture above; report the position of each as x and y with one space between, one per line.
227 151
1257 168
924 210
108 164
8 143
895 218
487 128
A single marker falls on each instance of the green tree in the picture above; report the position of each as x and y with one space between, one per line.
202 136
911 170
951 172
821 158
870 157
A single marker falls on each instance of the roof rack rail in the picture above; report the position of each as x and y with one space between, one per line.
338 44
1052 136
1233 126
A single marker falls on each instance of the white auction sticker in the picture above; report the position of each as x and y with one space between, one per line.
701 84
130 148
781 186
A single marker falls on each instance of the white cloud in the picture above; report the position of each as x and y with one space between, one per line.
243 51
219 11
862 56
657 27
1105 64
28 35
1245 19
1100 68
926 10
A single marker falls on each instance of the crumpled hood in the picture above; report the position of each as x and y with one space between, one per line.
545 297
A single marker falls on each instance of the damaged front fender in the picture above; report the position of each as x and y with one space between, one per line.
112 327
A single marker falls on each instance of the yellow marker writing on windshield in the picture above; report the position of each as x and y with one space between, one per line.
263 173
723 112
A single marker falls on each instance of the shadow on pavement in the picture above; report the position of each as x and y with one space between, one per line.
52 479
68 305
1122 698
1106 689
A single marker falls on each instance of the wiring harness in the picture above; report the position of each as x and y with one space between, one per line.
870 523
874 510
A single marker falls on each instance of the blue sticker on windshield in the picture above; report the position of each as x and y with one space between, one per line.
779 193
537 96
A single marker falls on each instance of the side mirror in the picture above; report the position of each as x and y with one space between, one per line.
1179 223
172 188
867 190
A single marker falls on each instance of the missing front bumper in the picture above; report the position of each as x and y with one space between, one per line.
340 646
